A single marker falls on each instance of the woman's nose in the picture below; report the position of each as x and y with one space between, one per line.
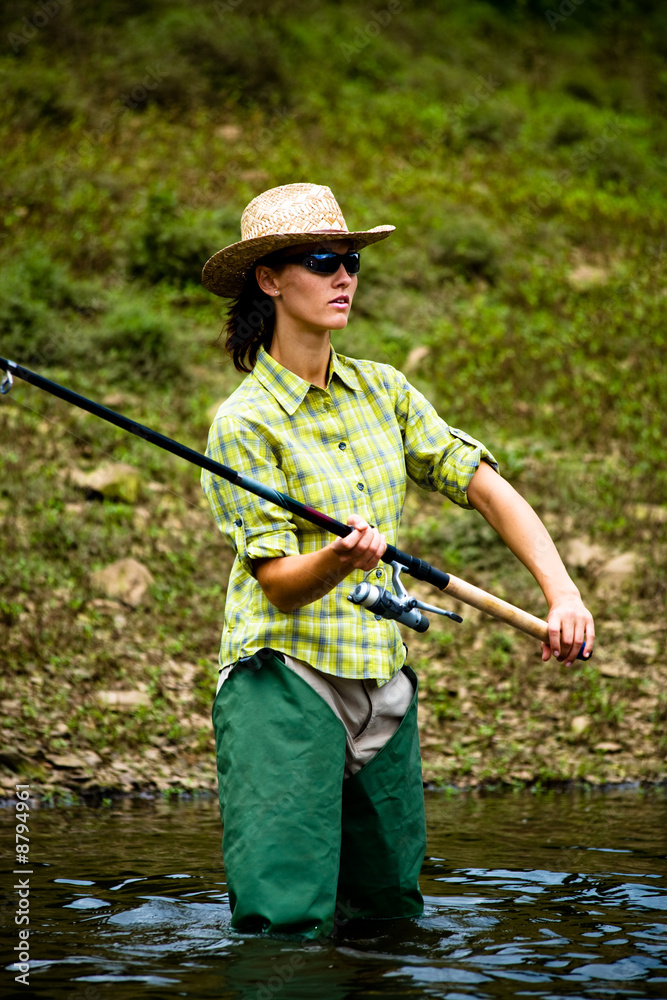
344 277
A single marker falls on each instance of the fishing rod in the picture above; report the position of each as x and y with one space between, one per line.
380 601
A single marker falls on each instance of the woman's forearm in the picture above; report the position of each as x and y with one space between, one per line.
570 623
291 582
521 529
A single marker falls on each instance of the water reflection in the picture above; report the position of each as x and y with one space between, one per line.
558 895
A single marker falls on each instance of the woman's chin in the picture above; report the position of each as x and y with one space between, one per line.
339 321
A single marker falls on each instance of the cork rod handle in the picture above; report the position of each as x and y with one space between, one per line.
497 608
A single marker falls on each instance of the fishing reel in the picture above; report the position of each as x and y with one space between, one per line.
398 607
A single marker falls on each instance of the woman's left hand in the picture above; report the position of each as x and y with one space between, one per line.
570 625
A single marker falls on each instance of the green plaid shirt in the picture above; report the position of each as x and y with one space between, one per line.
344 449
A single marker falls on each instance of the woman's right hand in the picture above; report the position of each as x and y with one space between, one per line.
362 548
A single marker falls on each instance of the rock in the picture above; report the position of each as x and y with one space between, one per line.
580 554
67 761
178 675
587 276
608 747
126 580
613 668
416 355
614 573
643 651
118 399
104 605
580 723
229 132
11 758
115 481
121 767
195 721
123 700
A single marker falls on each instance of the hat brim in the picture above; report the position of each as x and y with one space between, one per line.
226 271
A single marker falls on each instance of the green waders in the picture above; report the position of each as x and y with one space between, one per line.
296 836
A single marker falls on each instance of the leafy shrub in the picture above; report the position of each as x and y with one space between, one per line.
36 94
242 55
138 343
570 128
464 244
492 124
170 246
32 288
584 86
208 54
621 165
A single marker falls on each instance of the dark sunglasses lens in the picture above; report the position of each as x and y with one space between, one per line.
352 262
328 263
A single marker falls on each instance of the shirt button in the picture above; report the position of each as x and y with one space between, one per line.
360 486
342 446
238 522
378 572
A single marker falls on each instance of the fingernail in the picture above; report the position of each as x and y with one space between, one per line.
569 663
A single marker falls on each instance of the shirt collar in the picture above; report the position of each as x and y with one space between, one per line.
344 370
289 389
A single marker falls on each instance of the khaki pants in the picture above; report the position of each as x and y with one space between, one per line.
371 713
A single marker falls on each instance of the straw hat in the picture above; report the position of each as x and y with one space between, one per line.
282 217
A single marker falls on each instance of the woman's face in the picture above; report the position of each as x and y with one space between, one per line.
306 299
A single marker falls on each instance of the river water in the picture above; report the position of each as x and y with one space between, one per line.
558 894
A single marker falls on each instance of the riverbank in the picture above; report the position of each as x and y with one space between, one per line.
115 670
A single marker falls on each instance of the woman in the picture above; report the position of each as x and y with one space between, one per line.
316 712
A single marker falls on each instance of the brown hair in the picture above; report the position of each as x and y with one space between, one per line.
251 319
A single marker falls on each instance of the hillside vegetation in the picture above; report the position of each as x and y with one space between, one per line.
519 149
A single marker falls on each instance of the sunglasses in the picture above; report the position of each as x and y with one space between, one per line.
326 262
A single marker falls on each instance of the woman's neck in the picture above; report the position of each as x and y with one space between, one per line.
307 355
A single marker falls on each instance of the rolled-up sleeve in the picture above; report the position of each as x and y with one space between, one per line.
438 456
255 528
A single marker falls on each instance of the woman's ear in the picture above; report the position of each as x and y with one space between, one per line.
266 279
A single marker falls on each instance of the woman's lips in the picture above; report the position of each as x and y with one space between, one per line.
342 302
